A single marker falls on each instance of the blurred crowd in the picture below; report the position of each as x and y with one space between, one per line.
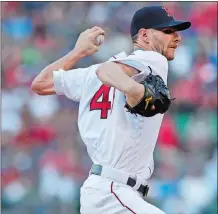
44 161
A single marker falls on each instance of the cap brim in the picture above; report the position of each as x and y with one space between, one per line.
178 25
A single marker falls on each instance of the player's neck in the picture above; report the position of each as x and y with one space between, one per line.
137 47
140 47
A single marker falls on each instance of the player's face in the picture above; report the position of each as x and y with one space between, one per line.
165 41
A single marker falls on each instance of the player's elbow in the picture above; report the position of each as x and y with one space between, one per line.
42 87
36 87
104 72
101 73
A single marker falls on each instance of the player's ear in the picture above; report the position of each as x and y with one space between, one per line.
143 35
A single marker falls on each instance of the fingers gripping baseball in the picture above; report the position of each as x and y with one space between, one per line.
90 40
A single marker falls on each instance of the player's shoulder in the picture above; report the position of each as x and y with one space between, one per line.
115 57
155 60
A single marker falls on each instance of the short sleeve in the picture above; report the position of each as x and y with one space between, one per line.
70 83
145 62
137 64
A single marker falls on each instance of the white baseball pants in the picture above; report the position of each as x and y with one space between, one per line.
102 196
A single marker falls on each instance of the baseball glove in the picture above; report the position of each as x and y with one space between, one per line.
156 93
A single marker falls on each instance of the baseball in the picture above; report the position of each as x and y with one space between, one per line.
99 40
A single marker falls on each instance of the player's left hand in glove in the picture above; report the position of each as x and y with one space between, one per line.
156 99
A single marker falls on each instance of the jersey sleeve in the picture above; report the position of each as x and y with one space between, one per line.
70 83
144 62
137 64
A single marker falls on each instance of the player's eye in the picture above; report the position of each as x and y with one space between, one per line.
168 31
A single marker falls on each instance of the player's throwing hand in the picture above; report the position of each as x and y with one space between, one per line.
86 43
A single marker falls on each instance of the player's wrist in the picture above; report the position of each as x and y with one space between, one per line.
137 91
79 52
136 94
70 59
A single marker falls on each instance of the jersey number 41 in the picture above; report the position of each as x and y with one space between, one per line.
105 105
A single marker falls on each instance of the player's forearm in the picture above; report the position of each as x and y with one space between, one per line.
66 63
112 74
43 83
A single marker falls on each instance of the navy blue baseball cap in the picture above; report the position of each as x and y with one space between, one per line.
156 17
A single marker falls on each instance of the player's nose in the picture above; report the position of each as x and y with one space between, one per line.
177 36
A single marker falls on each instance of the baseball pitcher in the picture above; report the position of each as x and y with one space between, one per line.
122 103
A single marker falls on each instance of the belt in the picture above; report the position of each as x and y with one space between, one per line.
98 169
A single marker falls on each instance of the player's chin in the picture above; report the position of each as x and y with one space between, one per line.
170 54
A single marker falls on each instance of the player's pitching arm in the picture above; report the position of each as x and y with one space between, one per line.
43 84
119 76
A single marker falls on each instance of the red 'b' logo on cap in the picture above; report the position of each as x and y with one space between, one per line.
167 11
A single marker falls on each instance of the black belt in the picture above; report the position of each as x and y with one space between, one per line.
97 169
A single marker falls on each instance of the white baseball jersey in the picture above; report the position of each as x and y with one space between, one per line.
113 136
